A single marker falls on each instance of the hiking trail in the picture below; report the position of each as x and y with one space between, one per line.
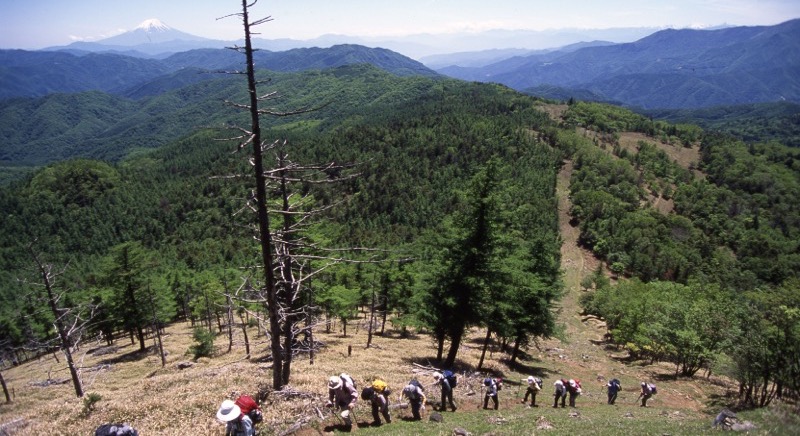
586 355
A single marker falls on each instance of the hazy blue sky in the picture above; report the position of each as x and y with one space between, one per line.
40 23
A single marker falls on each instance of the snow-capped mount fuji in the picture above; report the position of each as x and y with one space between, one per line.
153 25
151 31
150 38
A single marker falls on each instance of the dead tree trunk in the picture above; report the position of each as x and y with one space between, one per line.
265 238
282 252
229 316
246 339
485 346
5 388
59 314
156 328
371 318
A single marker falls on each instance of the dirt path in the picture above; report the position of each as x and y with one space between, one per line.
582 353
585 355
576 262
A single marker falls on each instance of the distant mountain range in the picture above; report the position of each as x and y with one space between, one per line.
95 124
39 73
668 69
153 38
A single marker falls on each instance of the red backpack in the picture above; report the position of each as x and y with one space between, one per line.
250 408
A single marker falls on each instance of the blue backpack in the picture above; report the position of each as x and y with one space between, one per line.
450 377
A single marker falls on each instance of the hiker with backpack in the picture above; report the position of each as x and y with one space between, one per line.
648 390
534 386
250 407
573 389
378 396
614 386
447 381
415 393
342 395
236 422
492 386
560 393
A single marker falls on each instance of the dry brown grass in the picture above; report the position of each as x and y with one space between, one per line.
555 111
169 401
683 156
166 401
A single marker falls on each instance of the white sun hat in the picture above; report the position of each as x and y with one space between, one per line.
334 382
228 411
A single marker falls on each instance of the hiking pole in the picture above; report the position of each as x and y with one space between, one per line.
333 411
337 419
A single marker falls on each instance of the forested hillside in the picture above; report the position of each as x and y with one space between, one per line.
418 142
453 211
103 126
712 285
752 123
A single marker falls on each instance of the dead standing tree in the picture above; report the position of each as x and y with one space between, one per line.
252 137
68 322
296 252
285 256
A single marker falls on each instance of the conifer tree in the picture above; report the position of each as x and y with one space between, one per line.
126 273
461 287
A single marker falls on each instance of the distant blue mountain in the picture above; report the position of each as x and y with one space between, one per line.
38 73
482 58
668 69
34 74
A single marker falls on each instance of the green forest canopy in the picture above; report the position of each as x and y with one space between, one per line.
420 141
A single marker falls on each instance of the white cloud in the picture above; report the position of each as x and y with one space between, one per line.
97 37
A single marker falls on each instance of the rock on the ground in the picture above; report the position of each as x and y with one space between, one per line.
743 426
543 424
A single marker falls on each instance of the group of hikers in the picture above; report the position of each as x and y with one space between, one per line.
241 415
343 395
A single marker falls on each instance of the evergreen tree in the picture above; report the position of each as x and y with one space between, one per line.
125 273
461 288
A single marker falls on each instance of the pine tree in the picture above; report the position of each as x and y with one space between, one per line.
462 284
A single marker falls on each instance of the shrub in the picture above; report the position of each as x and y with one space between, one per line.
89 402
204 345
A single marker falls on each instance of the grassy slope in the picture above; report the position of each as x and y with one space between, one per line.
169 401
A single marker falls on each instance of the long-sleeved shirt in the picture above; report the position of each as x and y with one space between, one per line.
346 395
414 394
240 427
379 400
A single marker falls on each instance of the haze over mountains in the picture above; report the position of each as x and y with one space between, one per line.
670 68
152 38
